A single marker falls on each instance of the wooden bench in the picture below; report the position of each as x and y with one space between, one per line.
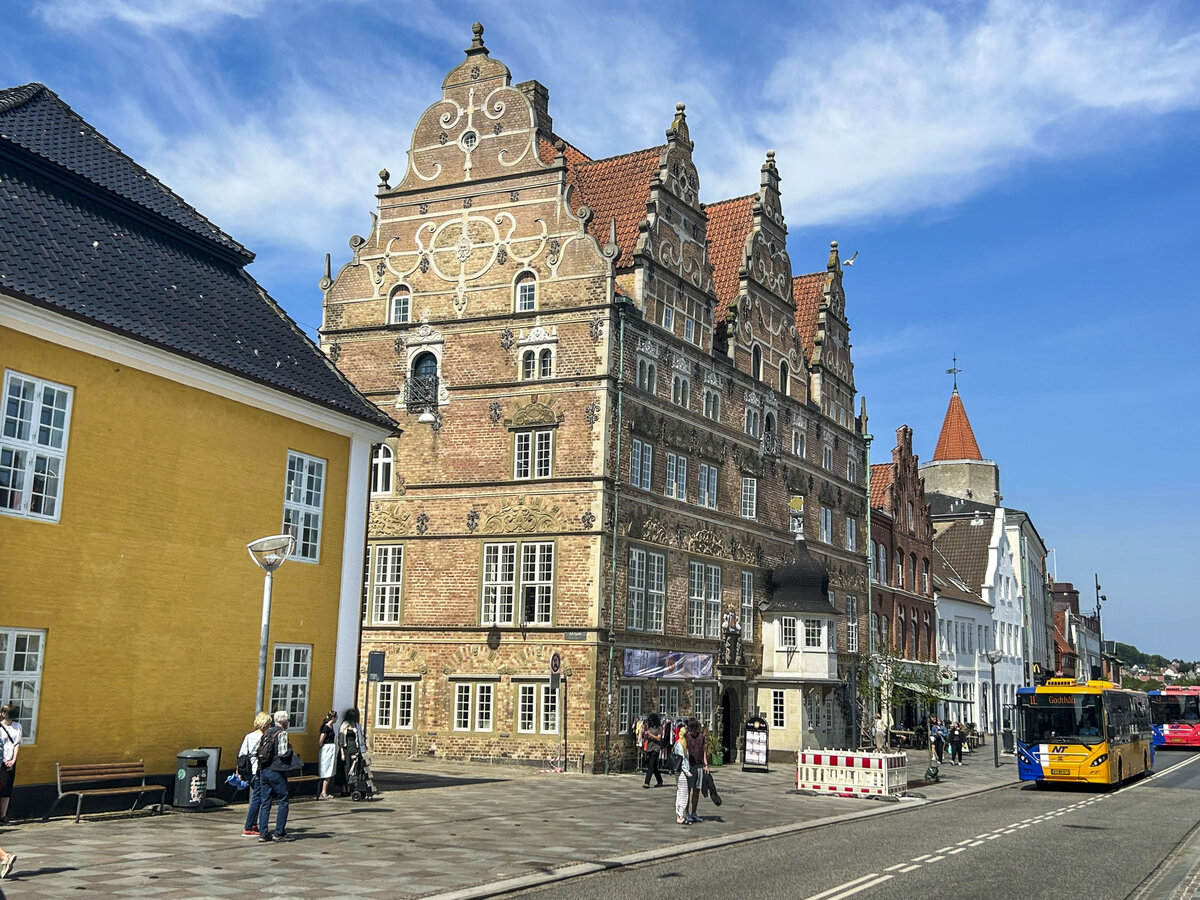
97 772
299 779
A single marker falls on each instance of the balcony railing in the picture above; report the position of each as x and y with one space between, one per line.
421 393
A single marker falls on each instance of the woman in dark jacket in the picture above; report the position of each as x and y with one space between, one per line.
695 741
957 736
652 736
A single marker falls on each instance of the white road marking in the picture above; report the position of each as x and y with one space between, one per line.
824 895
895 867
956 850
974 843
934 859
967 841
946 849
909 868
852 887
992 837
921 858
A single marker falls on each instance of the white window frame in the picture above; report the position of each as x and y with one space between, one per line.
712 405
851 468
677 469
814 634
400 305
851 623
641 464
778 708
799 443
548 714
474 707
525 291
33 452
702 705
787 632
707 486
382 465
668 700
704 599
289 689
851 533
827 456
635 590
505 589
387 584
826 525
647 376
656 591
303 502
747 605
689 329
629 706
749 497
527 710
668 318
681 391
533 454
753 422
22 686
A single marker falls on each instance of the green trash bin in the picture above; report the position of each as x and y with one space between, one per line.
191 779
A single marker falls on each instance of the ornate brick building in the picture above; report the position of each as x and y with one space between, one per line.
614 401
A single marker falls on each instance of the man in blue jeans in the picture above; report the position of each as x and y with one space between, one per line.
275 760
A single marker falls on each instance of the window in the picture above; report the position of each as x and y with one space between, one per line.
851 623
756 363
851 533
21 653
925 576
901 647
689 329
707 486
386 583
473 706
303 496
752 422
827 457
528 365
884 633
549 710
546 363
912 572
748 606
381 469
778 720
787 632
668 318
646 592
769 425
826 525
629 706
668 700
537 577
881 569
399 304
532 454
33 446
704 599
899 568
500 587
647 376
851 468
749 497
677 476
785 381
526 292
681 391
912 521
703 707
798 443
289 682
394 704
814 632
640 464
712 404
874 633
423 385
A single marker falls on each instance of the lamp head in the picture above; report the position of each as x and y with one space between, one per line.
994 656
270 553
427 417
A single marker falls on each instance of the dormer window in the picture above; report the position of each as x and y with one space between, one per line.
526 292
399 305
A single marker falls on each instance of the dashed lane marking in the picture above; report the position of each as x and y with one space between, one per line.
909 868
849 888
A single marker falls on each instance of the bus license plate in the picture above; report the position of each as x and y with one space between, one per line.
1060 771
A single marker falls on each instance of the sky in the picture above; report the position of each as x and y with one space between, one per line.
1020 180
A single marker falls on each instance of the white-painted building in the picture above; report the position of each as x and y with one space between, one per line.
963 617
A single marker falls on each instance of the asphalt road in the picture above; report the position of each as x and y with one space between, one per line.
1015 841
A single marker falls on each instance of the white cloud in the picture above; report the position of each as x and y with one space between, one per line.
147 15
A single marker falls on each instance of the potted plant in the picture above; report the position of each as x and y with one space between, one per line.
716 755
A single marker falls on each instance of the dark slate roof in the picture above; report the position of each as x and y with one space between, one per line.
964 545
800 585
949 584
89 234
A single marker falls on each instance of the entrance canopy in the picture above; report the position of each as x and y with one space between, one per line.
932 693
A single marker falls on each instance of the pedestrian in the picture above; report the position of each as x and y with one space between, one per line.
350 734
956 735
683 772
937 732
652 737
7 861
327 754
697 752
249 751
10 740
879 732
275 759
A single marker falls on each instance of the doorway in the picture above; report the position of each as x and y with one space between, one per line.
731 723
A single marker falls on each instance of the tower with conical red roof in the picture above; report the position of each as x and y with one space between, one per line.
958 469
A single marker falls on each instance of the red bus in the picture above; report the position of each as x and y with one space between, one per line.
1175 714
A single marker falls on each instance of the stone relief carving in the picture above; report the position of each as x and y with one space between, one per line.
384 521
707 543
523 517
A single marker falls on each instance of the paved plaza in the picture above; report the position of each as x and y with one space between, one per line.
436 828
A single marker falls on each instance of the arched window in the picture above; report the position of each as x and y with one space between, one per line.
785 379
883 632
381 469
423 385
399 305
528 365
769 424
881 570
899 567
900 648
912 572
526 292
924 576
756 362
647 377
545 363
681 391
712 404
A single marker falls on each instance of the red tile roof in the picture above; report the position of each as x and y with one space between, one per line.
882 477
729 221
957 440
808 291
616 187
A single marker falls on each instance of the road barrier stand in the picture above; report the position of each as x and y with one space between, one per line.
851 773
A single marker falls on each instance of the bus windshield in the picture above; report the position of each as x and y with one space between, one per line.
1061 718
1175 709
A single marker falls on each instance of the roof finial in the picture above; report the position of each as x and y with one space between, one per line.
835 262
954 370
477 40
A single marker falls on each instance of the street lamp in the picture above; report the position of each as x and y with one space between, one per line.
1100 598
993 657
269 554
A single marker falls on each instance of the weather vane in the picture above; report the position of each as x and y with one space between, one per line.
954 370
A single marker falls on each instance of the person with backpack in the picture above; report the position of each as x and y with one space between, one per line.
275 759
652 738
247 769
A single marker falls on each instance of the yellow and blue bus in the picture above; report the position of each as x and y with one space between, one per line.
1096 733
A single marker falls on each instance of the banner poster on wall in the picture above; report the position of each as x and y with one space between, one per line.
667 664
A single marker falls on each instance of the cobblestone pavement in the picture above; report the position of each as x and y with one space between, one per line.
436 827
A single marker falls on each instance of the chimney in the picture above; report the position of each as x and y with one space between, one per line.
539 98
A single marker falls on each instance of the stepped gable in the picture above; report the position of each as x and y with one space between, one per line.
883 475
35 119
808 291
964 543
957 439
86 249
729 224
616 187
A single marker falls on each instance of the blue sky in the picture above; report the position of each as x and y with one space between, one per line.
1021 180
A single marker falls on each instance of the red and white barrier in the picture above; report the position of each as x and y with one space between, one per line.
849 773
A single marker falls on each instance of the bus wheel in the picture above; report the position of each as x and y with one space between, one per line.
1120 774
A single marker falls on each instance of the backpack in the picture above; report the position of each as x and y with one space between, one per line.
243 766
268 747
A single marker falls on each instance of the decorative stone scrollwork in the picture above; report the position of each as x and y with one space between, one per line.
596 329
385 522
591 413
523 517
497 128
507 339
514 196
399 346
422 522
335 350
588 519
467 202
472 520
655 532
423 265
501 256
552 256
474 71
443 137
707 543
495 412
423 209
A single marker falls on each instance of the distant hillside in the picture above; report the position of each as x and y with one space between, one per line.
1132 656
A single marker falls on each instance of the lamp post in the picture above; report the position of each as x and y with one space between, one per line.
269 554
993 657
1100 598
